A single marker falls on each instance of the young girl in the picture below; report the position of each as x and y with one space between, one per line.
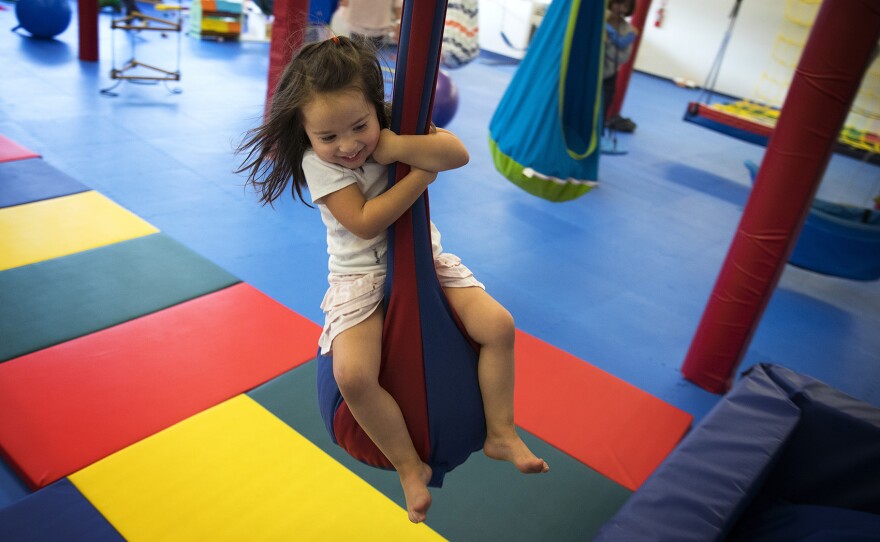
328 130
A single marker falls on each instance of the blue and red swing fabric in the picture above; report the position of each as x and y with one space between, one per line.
429 364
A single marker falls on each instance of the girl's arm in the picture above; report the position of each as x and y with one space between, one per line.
368 218
438 151
620 42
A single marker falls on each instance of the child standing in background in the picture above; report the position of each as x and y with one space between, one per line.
619 38
374 20
327 130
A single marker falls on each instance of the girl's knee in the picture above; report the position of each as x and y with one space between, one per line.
500 327
351 379
356 356
486 320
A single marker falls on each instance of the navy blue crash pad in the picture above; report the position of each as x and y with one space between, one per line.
778 439
26 181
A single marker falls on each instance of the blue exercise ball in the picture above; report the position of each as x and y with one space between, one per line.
44 19
445 100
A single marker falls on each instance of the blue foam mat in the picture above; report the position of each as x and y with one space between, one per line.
56 512
27 181
12 487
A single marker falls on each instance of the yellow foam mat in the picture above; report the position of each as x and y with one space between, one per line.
55 227
236 472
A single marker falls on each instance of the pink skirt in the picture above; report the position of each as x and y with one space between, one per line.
351 299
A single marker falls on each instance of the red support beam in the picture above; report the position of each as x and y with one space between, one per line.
825 83
288 30
87 18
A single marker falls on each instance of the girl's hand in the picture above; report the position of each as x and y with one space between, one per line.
385 152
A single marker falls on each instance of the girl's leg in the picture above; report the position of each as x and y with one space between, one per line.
356 360
490 325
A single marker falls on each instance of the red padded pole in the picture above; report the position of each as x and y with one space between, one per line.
834 60
624 73
87 19
288 29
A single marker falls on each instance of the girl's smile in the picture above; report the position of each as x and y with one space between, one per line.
342 127
354 158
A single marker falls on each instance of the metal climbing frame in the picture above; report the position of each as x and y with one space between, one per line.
133 70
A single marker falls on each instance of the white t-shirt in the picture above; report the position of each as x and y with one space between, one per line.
349 254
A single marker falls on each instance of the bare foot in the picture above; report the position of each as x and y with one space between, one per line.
514 450
415 490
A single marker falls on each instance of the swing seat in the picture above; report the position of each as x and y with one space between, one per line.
837 240
545 134
841 241
754 123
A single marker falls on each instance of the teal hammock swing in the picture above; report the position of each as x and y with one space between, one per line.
545 134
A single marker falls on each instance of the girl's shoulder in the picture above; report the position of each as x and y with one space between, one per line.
310 157
315 167
322 177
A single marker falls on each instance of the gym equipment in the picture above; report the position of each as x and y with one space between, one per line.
44 19
445 100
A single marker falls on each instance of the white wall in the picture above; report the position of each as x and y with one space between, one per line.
691 35
684 46
515 19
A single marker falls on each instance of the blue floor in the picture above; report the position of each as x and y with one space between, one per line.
619 277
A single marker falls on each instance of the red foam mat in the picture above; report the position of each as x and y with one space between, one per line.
69 405
608 424
10 150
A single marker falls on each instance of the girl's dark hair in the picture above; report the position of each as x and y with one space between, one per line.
630 6
275 149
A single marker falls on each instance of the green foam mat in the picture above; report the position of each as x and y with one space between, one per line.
52 301
480 500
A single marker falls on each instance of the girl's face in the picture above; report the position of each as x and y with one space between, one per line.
342 127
